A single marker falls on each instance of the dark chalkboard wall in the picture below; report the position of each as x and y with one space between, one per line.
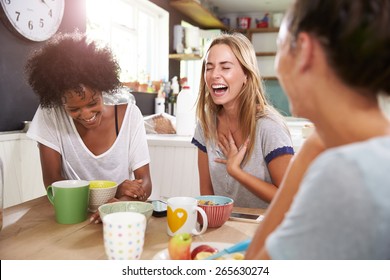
18 102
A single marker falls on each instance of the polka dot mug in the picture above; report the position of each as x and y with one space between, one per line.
123 234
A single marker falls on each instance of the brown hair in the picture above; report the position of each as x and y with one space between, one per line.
68 62
355 36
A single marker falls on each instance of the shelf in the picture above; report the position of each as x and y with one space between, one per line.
270 78
265 53
198 13
251 31
263 30
183 56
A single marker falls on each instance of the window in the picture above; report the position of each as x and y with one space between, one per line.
137 32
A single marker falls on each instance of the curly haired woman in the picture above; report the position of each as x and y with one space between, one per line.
244 144
79 137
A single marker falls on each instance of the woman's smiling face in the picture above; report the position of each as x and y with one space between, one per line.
84 107
223 74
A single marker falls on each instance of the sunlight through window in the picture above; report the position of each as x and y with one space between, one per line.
137 32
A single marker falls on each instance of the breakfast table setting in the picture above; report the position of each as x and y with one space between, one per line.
30 232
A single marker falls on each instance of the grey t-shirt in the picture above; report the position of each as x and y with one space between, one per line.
342 209
272 140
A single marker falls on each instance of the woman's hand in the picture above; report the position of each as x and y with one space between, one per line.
95 217
234 156
127 190
131 190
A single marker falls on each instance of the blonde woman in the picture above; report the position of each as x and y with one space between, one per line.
244 144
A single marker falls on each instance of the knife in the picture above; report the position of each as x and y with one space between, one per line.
240 246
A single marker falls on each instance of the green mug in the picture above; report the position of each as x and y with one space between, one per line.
70 199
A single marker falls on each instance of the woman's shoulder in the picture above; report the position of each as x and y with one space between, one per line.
51 113
271 119
129 112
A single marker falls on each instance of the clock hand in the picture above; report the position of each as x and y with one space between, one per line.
44 2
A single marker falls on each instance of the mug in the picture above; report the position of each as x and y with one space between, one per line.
182 216
70 199
124 234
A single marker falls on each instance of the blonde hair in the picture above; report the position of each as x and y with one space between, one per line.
251 99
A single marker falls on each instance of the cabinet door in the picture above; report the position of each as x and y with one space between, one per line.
30 167
174 169
22 169
10 155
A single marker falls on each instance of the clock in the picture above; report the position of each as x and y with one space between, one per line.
36 20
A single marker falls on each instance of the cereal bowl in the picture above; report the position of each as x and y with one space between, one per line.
100 192
217 208
126 206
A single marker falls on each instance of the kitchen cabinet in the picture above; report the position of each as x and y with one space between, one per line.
198 13
173 165
22 168
264 43
201 16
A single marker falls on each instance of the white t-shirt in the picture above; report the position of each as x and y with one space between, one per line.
56 130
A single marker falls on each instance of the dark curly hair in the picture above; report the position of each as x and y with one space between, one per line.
68 61
355 35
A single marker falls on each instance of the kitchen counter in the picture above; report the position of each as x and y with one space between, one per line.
295 126
169 140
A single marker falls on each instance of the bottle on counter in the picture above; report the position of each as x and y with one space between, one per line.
186 112
173 97
159 104
166 93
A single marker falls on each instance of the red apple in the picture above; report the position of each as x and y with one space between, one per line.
203 248
179 247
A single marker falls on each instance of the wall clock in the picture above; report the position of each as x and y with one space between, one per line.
36 20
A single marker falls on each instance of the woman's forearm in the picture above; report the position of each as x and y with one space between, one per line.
285 195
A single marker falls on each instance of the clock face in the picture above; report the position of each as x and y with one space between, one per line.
36 20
